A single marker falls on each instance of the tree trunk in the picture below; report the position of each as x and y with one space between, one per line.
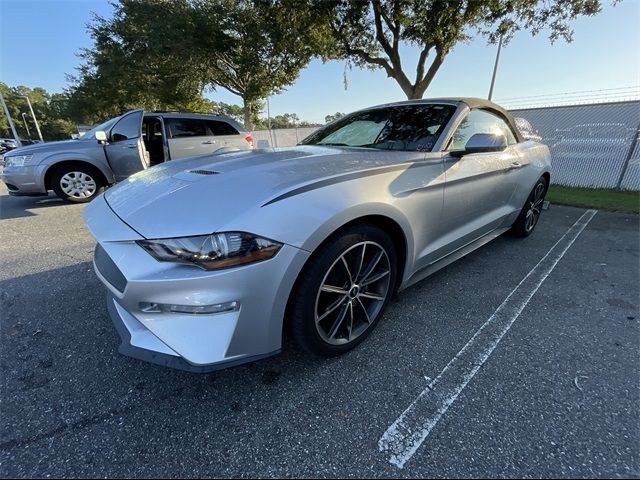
416 92
248 124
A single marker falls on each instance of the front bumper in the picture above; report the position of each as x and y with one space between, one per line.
195 342
23 180
138 342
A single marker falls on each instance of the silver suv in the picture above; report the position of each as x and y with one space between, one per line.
77 170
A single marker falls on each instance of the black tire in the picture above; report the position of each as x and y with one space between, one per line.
323 268
90 183
530 214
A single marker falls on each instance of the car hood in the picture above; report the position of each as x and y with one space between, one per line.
199 195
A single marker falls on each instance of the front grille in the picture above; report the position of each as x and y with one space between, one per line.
108 269
204 172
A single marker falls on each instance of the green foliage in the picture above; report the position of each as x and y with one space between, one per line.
51 111
286 120
335 116
162 54
369 33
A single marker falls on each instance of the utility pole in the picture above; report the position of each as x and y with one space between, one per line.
495 68
273 143
25 124
35 120
10 121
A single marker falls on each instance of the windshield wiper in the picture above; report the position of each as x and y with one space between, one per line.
330 144
377 146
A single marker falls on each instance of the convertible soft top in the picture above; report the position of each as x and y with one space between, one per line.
473 102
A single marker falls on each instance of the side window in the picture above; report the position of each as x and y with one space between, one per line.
220 128
186 127
480 121
127 128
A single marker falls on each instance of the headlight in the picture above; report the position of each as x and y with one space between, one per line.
17 160
212 252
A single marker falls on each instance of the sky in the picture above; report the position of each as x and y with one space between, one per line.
40 39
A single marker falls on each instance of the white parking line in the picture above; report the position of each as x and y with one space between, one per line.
406 434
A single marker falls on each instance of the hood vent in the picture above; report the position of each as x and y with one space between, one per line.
204 172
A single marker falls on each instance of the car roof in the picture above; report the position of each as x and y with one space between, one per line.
199 116
471 102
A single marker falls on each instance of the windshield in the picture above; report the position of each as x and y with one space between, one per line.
404 127
91 134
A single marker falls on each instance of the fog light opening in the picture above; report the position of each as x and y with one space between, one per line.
149 307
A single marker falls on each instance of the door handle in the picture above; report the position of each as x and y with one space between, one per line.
516 165
209 142
130 146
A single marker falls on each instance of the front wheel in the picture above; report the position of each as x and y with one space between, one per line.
76 183
531 211
343 290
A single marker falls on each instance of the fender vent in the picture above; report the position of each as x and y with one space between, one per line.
204 172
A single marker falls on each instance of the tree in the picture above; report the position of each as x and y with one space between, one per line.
50 110
170 52
335 116
138 60
230 110
370 33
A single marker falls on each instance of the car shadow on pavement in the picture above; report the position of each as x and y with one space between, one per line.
60 350
18 207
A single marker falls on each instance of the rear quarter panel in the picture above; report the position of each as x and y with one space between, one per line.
537 158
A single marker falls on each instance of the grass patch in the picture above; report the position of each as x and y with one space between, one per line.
602 199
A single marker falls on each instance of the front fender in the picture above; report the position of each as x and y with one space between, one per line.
305 221
54 159
356 212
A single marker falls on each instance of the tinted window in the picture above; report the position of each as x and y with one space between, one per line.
480 121
186 127
220 128
406 127
128 127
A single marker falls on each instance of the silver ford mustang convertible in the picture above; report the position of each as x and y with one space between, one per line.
209 260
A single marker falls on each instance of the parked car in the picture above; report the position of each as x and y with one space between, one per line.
77 170
6 145
208 260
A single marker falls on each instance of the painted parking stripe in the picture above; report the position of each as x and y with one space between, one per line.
403 438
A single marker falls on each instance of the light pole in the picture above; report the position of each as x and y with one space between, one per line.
271 135
10 121
35 120
25 124
495 68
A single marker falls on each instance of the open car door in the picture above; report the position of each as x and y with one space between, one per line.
125 149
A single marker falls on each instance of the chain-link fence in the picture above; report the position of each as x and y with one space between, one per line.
282 137
593 145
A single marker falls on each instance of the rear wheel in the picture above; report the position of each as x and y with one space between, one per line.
342 291
531 211
76 183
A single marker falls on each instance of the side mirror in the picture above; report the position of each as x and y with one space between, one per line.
262 144
482 143
101 136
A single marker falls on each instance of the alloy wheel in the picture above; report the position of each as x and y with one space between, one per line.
535 207
352 293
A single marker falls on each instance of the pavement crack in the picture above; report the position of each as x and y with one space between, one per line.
67 427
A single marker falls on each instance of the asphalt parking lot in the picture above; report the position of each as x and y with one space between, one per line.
558 397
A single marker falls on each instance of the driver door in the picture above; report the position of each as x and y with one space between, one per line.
479 186
125 151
